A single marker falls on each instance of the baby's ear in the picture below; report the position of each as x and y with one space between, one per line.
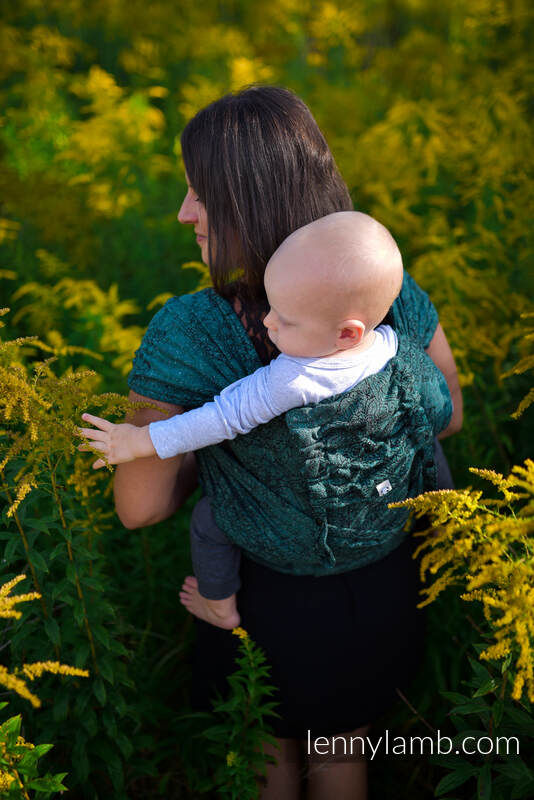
350 333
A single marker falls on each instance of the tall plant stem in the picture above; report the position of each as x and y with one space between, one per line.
18 523
71 559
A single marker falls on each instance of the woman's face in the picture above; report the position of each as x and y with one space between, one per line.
193 212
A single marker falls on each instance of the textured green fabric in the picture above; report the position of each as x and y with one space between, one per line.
299 493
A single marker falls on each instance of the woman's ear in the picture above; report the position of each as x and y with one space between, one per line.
350 333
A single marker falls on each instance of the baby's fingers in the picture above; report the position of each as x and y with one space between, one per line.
98 422
100 463
93 434
98 448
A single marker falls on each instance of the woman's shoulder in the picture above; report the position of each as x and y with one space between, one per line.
193 347
205 307
185 305
184 318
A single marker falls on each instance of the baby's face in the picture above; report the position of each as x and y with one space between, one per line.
294 323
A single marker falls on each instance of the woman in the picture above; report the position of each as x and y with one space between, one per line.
257 169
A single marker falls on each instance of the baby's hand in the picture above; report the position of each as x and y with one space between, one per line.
118 443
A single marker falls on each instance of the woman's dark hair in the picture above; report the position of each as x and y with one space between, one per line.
262 168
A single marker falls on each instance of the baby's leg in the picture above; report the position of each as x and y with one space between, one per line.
211 595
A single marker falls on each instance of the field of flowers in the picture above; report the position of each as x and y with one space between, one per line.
428 110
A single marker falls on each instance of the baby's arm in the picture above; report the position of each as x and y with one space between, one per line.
241 406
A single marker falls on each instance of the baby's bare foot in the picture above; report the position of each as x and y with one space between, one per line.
222 613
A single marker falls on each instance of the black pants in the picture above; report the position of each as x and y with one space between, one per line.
338 645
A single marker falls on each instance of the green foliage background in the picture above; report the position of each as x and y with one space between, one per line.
428 110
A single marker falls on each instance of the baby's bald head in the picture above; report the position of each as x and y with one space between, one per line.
344 266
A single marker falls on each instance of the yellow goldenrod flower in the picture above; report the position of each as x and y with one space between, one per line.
241 632
487 545
6 587
16 684
32 671
7 604
5 780
21 742
23 489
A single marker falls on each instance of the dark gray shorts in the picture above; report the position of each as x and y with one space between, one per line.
216 560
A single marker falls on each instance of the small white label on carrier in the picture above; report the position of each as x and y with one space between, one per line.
383 488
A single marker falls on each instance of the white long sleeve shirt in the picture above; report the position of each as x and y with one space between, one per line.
287 382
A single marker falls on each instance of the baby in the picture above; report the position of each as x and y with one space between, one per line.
329 285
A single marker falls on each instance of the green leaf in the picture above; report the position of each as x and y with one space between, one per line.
93 583
101 635
497 711
83 651
78 612
105 667
482 674
62 590
125 745
523 722
61 704
38 561
455 697
67 535
451 781
12 546
49 783
80 761
216 732
82 699
450 762
120 704
110 723
100 691
12 725
476 706
41 749
90 722
59 550
52 630
515 769
71 572
116 771
506 663
484 782
118 648
81 552
37 524
487 687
